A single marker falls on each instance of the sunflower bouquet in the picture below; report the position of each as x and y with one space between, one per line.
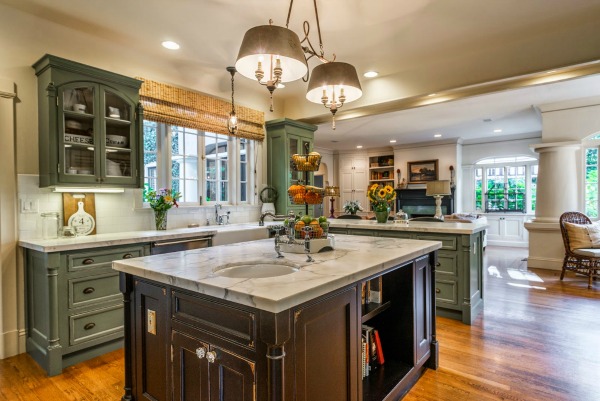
381 196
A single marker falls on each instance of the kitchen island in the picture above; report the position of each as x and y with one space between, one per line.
459 270
206 323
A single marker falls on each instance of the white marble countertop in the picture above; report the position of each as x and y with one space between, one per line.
413 226
354 258
131 237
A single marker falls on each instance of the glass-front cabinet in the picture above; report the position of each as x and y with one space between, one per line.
90 125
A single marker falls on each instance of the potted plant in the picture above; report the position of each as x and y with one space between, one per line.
352 207
381 197
161 201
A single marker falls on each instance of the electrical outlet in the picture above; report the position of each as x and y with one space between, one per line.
29 205
151 323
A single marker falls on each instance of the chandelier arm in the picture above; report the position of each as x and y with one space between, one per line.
287 22
318 27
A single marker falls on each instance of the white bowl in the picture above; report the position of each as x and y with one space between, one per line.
118 141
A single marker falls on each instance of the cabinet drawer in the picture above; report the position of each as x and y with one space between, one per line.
446 292
100 258
93 325
233 324
447 242
396 234
447 264
91 290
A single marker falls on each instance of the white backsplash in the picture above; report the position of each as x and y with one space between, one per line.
117 212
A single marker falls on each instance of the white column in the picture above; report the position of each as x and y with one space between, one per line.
9 280
557 192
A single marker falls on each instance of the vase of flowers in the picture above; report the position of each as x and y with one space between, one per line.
352 207
381 197
161 201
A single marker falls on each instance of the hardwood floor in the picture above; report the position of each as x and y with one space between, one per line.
535 340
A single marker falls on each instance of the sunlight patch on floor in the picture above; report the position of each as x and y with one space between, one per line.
524 275
494 272
534 287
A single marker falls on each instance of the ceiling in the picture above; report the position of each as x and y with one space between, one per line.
419 47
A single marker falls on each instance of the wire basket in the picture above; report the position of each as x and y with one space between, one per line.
305 194
309 162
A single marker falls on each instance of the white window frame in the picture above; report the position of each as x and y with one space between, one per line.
589 144
164 175
502 164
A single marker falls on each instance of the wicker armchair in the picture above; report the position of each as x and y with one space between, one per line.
583 261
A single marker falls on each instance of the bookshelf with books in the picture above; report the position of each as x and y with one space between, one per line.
396 335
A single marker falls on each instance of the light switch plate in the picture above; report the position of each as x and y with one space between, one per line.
151 323
29 206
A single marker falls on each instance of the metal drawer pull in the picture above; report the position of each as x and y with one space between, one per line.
200 352
437 290
127 256
88 261
211 356
89 326
88 290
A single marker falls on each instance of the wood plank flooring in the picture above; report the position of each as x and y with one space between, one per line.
535 340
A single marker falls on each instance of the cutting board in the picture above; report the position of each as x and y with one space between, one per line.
70 206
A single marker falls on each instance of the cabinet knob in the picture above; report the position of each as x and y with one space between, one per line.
89 326
437 290
127 256
88 261
200 352
211 356
88 290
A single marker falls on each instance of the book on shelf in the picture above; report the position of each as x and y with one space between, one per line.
374 292
365 293
380 358
363 358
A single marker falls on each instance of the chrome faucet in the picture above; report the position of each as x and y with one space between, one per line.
276 217
307 231
277 240
219 217
217 206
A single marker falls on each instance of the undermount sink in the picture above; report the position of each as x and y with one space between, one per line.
256 270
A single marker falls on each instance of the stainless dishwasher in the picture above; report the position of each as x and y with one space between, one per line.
183 244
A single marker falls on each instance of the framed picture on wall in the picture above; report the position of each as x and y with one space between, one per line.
422 171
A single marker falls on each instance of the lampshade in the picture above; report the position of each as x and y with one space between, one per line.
332 77
266 43
441 187
332 191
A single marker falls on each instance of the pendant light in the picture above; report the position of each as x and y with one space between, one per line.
274 54
271 54
232 121
333 84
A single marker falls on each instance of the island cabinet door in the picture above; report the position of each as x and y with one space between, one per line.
422 309
326 349
203 372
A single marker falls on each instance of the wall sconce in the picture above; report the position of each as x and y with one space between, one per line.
438 189
232 121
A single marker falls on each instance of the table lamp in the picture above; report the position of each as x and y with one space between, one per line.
438 189
332 191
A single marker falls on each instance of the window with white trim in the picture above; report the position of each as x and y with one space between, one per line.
203 166
506 184
591 180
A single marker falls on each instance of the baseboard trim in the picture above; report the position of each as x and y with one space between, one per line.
544 263
9 344
512 244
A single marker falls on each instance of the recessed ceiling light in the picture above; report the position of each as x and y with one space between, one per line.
370 74
437 136
170 45
358 146
497 130
392 141
431 94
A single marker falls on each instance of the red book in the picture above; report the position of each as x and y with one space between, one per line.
379 349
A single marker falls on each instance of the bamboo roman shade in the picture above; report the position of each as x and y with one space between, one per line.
182 107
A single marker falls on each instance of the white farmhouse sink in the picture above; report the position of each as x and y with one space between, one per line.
256 269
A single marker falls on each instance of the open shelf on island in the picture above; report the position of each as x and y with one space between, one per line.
373 309
382 380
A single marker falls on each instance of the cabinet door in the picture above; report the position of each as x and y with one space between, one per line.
151 339
78 133
231 377
326 349
189 368
118 160
422 309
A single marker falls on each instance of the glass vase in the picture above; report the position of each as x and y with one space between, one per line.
381 216
160 219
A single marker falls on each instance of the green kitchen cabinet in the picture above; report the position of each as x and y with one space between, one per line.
90 125
74 304
285 138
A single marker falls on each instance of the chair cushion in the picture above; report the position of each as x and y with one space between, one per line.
593 253
583 235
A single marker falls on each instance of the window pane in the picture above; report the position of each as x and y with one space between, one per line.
243 172
591 182
223 170
243 192
224 195
478 188
191 144
534 174
190 191
191 169
216 166
211 169
211 191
